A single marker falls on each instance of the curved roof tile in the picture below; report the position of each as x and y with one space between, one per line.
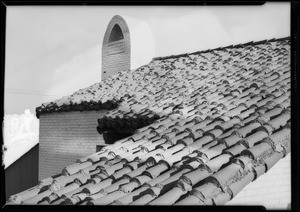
206 125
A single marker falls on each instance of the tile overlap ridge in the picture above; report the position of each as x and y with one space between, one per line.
223 122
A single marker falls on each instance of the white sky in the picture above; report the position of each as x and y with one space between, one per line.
54 51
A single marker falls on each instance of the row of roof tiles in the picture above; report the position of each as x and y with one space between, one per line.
215 133
210 92
172 168
150 78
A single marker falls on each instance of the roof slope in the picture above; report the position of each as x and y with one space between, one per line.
223 121
142 81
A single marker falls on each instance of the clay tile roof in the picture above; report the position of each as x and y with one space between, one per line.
222 118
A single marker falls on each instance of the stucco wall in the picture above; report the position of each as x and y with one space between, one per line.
65 137
272 190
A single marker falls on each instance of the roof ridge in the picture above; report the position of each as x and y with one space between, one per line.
221 48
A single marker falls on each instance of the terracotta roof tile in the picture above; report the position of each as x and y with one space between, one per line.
206 125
